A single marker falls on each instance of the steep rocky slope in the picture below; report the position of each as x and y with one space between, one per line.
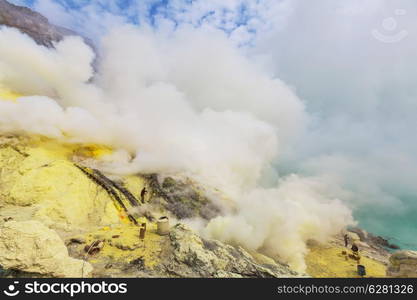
403 264
33 24
57 186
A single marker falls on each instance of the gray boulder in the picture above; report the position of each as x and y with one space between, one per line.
34 24
403 264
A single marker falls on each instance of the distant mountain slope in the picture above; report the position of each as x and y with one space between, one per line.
33 24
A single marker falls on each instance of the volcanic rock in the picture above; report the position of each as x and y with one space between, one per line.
32 247
403 264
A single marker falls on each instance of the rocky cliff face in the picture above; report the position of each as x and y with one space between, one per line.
403 264
33 24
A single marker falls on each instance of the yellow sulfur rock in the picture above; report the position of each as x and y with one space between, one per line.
123 245
135 185
92 150
32 247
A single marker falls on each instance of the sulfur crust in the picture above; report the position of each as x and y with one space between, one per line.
326 261
38 173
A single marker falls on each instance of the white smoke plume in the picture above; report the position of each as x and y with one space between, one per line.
353 63
187 102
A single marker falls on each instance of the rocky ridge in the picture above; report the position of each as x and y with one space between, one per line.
403 264
34 24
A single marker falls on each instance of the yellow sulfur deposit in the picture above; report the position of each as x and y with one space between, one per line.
6 94
325 261
39 180
122 244
37 174
91 150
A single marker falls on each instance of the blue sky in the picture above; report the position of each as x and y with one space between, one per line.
239 19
